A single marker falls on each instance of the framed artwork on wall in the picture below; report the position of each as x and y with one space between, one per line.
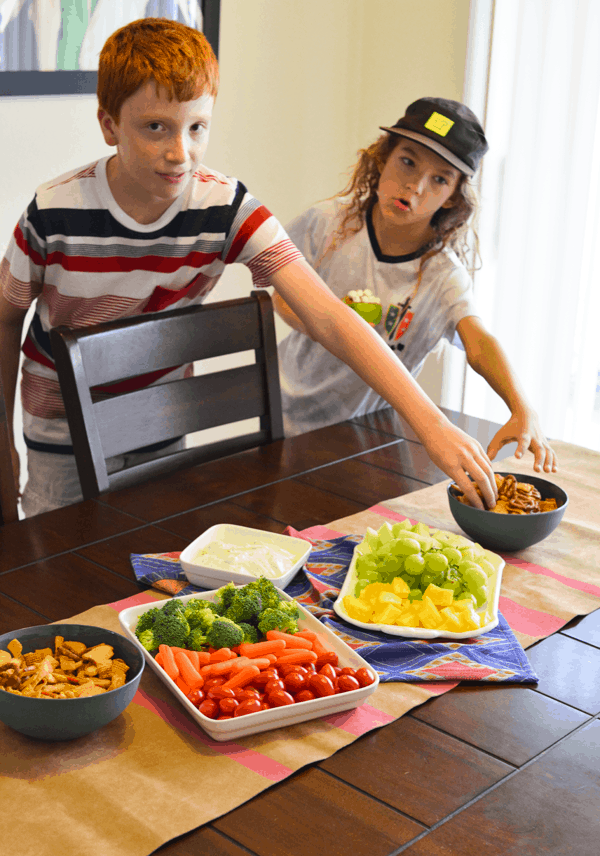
51 47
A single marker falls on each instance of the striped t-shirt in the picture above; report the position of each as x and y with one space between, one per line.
86 261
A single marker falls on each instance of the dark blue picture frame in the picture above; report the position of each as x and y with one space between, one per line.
84 82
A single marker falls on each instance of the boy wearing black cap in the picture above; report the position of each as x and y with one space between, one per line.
392 245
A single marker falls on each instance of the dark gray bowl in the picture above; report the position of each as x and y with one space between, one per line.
65 719
507 533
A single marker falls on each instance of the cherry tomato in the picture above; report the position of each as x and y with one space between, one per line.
228 705
321 685
243 693
295 681
279 698
213 682
274 684
365 677
348 671
209 708
264 705
287 668
264 677
328 671
347 683
329 657
224 717
250 705
305 695
196 696
220 692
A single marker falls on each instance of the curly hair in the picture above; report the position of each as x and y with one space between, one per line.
174 56
451 226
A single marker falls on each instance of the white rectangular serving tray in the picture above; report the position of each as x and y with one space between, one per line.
206 577
494 583
264 720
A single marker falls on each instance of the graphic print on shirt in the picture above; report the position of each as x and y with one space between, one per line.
397 321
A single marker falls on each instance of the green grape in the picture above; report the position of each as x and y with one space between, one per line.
468 553
475 575
360 585
453 586
401 528
436 562
453 555
415 594
465 595
428 577
406 546
480 594
385 534
414 564
486 566
370 576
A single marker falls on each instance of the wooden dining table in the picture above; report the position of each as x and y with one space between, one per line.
483 768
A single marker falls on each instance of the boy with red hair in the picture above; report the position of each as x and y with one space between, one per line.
151 228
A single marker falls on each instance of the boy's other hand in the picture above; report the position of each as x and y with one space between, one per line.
460 456
524 429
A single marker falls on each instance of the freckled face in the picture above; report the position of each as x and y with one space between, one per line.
160 144
415 183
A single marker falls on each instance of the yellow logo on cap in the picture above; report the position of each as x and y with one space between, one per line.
439 124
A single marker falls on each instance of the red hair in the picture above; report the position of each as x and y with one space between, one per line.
178 58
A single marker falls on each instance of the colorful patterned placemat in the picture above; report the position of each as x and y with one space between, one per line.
495 656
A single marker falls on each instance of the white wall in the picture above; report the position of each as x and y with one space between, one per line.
304 85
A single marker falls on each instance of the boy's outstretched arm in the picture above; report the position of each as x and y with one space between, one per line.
339 329
11 326
486 356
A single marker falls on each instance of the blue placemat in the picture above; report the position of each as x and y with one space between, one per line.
495 656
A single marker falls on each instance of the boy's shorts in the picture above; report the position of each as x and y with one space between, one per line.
53 482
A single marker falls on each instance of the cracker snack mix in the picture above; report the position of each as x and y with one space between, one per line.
70 670
514 497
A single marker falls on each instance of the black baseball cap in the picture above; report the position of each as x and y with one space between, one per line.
446 127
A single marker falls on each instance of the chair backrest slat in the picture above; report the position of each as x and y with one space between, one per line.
102 427
186 406
8 489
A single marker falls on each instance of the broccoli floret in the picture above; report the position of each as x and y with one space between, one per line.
148 639
268 592
245 606
224 597
250 632
196 641
290 607
173 607
171 629
224 633
195 609
277 619
146 620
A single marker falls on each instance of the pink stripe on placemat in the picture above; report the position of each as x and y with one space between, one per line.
313 533
134 600
439 687
588 588
359 720
529 621
391 515
254 761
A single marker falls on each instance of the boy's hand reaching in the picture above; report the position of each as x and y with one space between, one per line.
460 456
524 428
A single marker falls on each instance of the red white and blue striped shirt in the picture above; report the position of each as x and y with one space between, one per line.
85 261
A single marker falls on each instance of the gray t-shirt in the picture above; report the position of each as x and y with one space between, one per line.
317 388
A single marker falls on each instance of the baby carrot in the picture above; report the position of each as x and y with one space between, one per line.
291 640
187 672
319 646
241 678
183 686
306 634
193 658
169 664
203 658
259 649
298 656
159 659
222 654
261 662
213 669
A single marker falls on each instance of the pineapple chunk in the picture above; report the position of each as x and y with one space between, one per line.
357 609
388 615
428 614
439 596
400 587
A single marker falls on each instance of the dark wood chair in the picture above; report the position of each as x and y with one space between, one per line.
107 353
8 489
